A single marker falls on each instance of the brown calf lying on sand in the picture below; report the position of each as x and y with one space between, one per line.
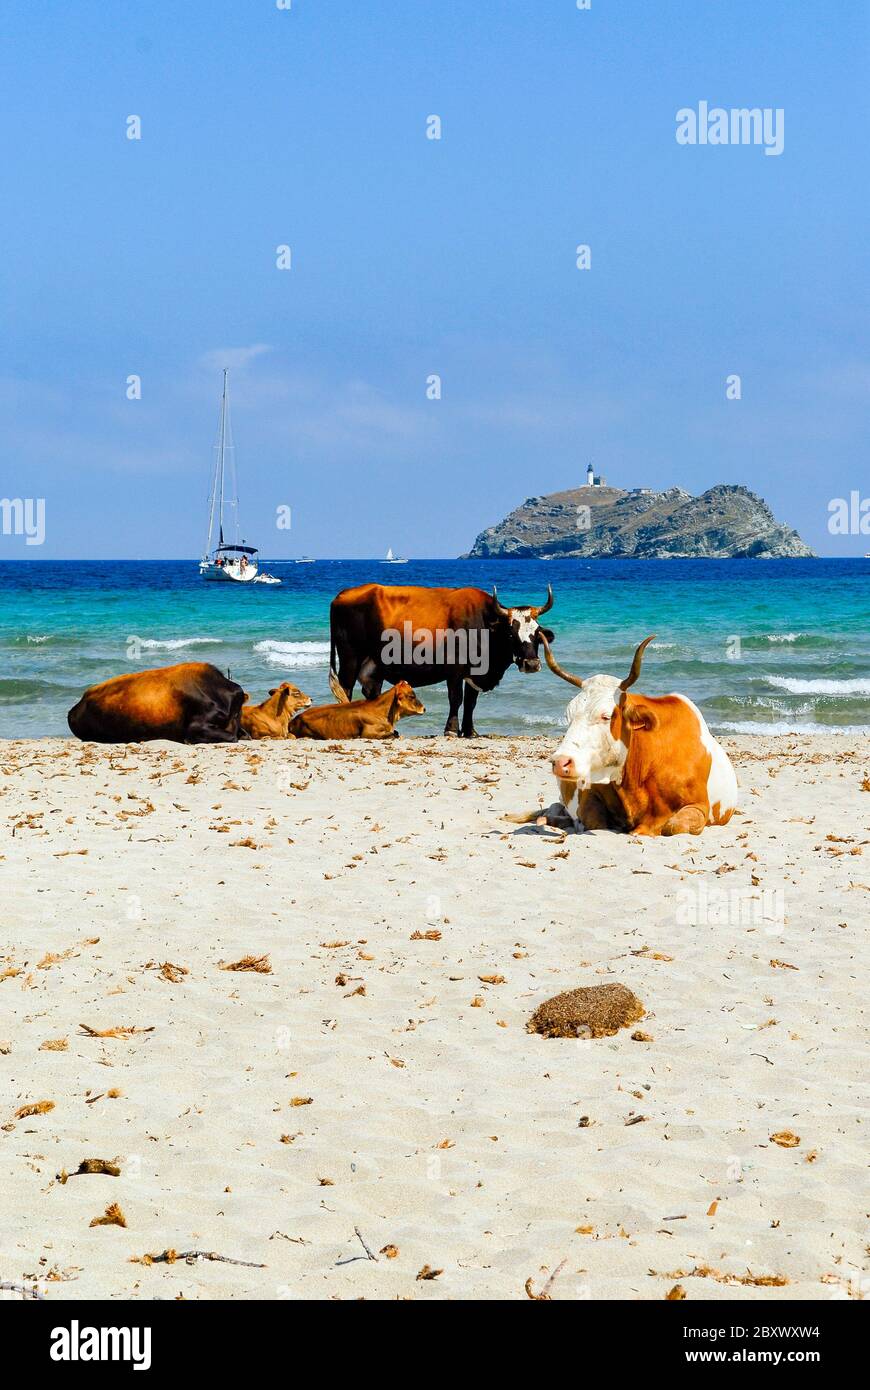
359 718
271 719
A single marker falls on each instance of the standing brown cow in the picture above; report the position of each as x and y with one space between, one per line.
424 636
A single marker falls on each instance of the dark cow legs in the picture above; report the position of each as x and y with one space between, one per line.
348 671
370 681
469 702
454 695
206 731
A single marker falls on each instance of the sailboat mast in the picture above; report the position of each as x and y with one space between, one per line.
217 485
221 454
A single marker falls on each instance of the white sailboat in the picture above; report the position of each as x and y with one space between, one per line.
391 559
228 561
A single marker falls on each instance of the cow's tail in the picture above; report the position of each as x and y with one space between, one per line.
335 685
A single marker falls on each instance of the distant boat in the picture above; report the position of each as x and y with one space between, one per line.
391 559
305 560
228 561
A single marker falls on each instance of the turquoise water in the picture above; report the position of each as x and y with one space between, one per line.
779 644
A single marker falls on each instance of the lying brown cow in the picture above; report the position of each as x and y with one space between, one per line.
272 718
189 703
359 718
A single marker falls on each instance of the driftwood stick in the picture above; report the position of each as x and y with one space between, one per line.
545 1291
545 1294
26 1290
189 1256
359 1235
352 1259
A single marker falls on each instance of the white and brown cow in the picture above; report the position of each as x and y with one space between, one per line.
639 764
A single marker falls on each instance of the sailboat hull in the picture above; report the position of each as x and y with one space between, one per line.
227 574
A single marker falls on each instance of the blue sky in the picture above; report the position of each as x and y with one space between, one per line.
307 127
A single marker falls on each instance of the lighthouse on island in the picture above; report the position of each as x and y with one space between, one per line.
593 479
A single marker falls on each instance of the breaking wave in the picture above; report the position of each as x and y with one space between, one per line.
173 644
795 686
293 655
791 639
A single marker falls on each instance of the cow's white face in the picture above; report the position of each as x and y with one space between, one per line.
589 753
525 638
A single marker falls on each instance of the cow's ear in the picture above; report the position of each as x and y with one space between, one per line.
546 633
638 716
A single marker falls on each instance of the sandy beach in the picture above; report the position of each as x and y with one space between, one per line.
365 1115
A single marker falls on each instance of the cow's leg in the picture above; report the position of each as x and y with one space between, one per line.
689 820
370 681
208 730
381 729
454 695
468 704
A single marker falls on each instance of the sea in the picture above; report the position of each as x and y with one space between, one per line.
775 646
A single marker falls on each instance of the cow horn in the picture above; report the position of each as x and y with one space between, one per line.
505 612
555 667
635 665
539 612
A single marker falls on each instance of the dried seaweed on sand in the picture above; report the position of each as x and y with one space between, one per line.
785 1139
747 1280
95 1165
168 970
113 1216
120 1032
594 1011
260 964
37 1107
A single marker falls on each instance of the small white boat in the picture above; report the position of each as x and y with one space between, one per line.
305 560
228 561
391 559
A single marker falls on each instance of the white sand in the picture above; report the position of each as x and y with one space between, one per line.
440 1128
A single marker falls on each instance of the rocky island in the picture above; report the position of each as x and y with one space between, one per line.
725 522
